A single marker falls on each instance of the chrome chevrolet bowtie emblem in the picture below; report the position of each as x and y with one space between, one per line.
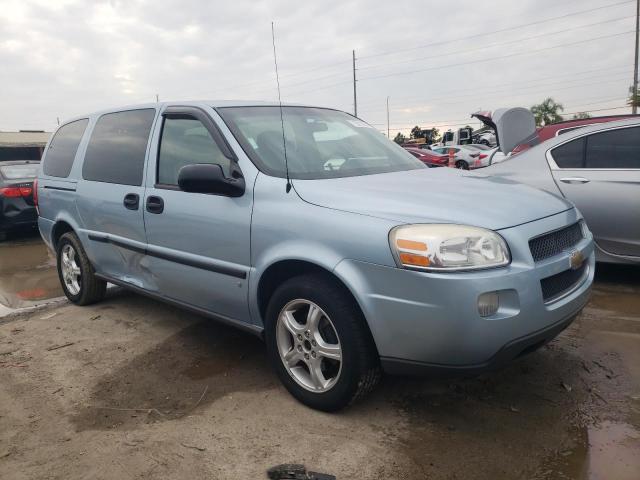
576 258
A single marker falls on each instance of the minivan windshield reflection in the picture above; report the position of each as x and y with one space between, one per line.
320 143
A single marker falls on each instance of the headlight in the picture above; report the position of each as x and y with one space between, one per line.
444 247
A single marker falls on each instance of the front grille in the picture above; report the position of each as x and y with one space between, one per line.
557 285
553 243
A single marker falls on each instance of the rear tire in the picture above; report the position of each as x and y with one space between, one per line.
462 165
342 328
76 273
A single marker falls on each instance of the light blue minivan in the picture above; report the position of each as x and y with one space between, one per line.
309 228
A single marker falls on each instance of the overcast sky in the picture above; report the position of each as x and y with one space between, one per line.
437 61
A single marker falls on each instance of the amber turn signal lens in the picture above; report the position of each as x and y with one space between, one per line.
411 245
411 259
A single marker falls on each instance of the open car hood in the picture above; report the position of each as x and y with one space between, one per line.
513 126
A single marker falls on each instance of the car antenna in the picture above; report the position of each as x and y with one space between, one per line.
284 142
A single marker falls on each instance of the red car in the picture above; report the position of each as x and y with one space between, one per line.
428 157
555 129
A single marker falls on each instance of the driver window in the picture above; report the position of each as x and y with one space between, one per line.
186 141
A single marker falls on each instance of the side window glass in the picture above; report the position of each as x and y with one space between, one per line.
186 141
618 148
569 155
62 149
118 146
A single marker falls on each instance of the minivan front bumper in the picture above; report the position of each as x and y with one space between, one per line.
430 321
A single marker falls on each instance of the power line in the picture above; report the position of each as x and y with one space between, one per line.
484 47
493 32
535 81
524 85
492 45
528 52
345 62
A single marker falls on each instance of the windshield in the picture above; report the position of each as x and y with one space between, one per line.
15 172
320 143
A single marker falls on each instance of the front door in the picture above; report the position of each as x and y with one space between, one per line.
600 173
198 244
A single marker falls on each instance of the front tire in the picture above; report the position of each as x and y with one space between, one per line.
319 344
462 165
76 273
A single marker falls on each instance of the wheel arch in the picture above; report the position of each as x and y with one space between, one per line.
60 227
285 269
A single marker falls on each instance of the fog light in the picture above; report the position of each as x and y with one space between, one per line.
488 304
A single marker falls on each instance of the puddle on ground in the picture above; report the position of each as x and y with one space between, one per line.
498 425
617 289
27 273
610 450
612 300
192 368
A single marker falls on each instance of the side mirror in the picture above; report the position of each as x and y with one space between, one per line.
209 178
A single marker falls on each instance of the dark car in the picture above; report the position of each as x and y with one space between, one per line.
428 157
17 205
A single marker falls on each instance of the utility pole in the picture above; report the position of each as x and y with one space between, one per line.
634 93
388 118
355 98
157 98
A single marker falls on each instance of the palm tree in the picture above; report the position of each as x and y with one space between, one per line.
634 98
547 112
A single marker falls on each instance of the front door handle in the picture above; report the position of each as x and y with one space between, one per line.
155 204
574 180
131 201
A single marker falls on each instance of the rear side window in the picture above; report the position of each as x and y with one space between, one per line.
570 155
118 146
63 147
614 149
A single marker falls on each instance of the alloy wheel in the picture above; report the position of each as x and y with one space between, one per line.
70 270
309 346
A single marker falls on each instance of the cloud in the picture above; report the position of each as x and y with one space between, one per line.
64 58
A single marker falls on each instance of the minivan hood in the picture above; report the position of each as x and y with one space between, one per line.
434 195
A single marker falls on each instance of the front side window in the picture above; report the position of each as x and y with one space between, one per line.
618 148
186 141
320 143
118 146
570 154
62 149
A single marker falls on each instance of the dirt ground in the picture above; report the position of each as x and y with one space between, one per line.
132 388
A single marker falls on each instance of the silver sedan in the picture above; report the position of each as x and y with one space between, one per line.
597 168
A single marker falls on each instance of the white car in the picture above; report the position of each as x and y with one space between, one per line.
486 138
466 156
496 156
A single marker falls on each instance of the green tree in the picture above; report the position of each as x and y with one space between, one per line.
435 135
400 138
547 112
416 132
634 98
581 116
